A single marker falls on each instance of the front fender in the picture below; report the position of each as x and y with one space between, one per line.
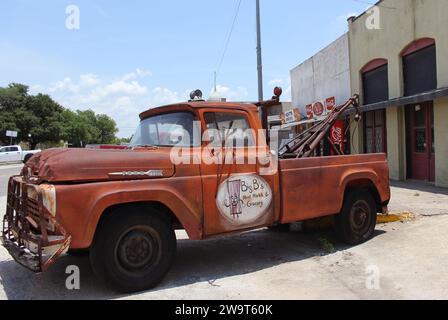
81 217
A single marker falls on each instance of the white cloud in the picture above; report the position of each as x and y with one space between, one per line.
65 85
138 73
124 97
121 87
89 79
237 94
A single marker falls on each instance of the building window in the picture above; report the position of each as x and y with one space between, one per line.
419 68
375 131
375 81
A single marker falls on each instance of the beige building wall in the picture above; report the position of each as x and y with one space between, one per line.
401 22
441 141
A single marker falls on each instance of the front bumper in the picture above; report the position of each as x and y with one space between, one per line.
30 231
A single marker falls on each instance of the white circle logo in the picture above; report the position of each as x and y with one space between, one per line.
243 199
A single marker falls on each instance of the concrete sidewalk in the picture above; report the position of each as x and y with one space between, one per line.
419 198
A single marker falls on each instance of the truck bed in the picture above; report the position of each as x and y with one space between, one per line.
315 187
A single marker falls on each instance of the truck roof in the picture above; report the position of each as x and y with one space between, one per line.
243 106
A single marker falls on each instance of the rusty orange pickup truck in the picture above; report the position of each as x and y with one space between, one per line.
203 167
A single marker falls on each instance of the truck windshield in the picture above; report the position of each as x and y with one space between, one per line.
168 130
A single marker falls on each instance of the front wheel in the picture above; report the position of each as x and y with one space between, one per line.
357 221
133 251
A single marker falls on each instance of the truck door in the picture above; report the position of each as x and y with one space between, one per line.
15 154
236 197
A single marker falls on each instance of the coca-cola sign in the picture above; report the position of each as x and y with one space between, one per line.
337 134
318 108
330 103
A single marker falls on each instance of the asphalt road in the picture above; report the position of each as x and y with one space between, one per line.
5 172
403 261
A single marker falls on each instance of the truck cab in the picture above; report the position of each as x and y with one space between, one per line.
10 154
205 167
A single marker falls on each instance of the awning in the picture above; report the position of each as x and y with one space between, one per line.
403 101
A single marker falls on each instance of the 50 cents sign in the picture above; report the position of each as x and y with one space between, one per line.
244 199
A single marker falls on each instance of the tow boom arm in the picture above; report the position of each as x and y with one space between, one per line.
304 144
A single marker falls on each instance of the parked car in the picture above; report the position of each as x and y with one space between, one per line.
15 154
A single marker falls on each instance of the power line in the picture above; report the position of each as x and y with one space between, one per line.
378 4
229 36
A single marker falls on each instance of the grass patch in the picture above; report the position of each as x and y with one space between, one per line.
326 245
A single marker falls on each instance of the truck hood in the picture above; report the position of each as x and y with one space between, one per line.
89 165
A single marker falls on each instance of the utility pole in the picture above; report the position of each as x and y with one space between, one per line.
259 60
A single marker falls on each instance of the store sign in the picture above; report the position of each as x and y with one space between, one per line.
330 103
309 111
318 109
12 134
291 116
243 199
337 134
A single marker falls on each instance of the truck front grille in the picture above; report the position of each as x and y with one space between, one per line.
30 232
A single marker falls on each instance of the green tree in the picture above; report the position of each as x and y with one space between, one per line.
12 98
39 119
86 127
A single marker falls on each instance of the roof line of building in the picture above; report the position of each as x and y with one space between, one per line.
354 18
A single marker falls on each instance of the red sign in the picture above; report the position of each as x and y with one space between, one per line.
318 108
331 103
309 111
337 135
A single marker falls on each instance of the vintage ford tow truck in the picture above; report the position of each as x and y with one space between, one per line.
205 167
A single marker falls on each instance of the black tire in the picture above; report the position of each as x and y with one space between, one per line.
357 221
134 249
78 252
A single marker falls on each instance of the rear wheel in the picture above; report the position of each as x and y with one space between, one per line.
357 221
134 250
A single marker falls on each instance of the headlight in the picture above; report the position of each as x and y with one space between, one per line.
48 196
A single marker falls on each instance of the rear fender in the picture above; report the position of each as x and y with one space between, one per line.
357 178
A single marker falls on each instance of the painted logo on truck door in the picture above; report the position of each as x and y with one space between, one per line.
243 199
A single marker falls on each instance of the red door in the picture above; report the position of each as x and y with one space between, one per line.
422 142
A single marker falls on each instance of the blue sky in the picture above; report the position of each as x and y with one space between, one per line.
131 55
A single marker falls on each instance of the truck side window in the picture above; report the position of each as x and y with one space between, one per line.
2 150
13 149
233 128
